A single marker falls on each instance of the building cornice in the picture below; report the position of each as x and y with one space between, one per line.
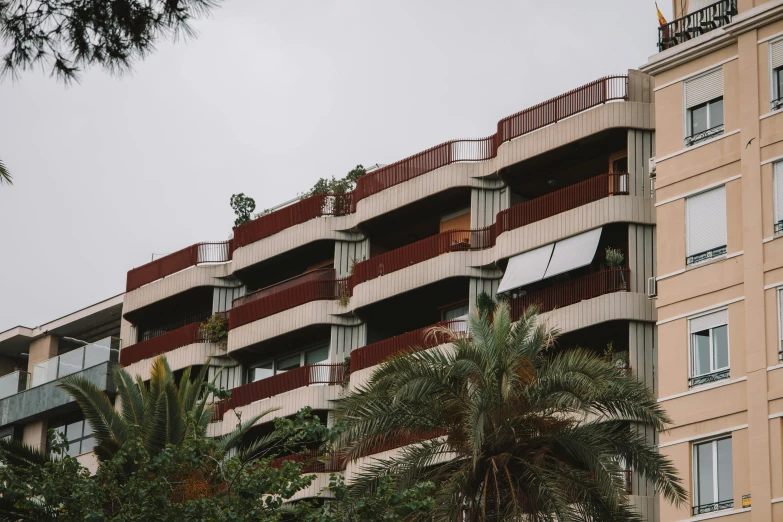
717 39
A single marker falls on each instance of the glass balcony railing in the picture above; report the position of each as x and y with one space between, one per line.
81 358
12 383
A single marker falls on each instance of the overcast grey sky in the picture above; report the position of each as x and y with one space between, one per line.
271 96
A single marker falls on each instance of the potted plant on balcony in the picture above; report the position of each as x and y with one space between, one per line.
615 260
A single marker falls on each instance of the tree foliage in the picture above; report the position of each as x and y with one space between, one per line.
336 185
511 428
243 208
5 175
67 36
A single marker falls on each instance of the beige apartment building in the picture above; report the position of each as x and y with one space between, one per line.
321 290
719 209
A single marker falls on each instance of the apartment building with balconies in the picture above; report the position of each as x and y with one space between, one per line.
34 360
719 132
319 292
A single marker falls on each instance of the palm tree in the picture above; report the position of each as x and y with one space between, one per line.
5 176
527 432
162 409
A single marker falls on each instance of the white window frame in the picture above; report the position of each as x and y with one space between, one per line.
687 230
689 141
694 467
302 358
691 347
773 85
779 296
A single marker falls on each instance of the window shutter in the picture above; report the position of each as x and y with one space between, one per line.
695 5
780 314
704 88
712 320
706 217
776 50
778 191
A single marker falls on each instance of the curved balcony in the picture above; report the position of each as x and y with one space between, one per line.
314 461
316 285
567 198
572 292
180 260
591 95
423 250
281 383
183 336
423 338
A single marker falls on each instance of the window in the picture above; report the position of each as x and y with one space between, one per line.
316 355
706 225
709 348
704 107
713 485
778 196
776 64
79 435
780 323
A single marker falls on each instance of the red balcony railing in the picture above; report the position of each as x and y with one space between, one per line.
314 461
546 113
281 383
166 342
566 198
420 251
295 214
422 338
573 291
180 260
316 285
580 99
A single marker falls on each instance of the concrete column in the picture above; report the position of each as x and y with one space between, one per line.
34 434
344 340
41 349
755 327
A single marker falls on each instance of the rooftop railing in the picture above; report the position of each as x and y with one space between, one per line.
562 200
183 336
171 264
420 251
13 383
315 285
423 338
75 361
696 23
591 95
281 383
572 291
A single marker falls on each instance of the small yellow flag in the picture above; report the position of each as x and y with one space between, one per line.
661 19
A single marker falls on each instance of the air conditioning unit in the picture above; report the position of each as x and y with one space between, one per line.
651 170
652 287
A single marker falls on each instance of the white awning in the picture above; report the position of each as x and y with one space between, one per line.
526 268
574 252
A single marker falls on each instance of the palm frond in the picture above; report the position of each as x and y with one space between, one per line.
5 175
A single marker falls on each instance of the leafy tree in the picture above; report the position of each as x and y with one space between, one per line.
336 186
67 36
5 176
243 208
515 430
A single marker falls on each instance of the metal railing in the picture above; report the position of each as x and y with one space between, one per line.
422 250
423 338
704 135
281 383
704 256
75 361
698 380
182 336
582 98
13 383
779 227
149 333
190 256
715 506
562 200
696 23
573 291
317 285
